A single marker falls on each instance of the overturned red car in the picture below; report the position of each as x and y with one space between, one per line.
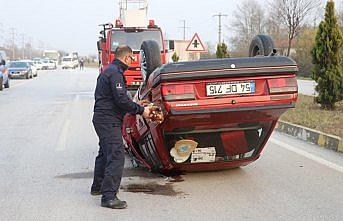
217 114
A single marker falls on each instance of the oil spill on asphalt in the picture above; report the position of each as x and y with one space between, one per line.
152 188
128 172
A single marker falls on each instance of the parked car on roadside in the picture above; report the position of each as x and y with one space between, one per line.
45 64
4 79
20 69
51 64
69 62
33 67
39 64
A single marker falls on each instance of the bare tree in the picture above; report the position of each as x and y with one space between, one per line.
249 20
293 14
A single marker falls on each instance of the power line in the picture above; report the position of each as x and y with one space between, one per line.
184 27
220 15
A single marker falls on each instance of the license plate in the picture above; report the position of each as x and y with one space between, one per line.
204 155
227 88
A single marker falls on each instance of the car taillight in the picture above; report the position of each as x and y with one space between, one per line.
178 92
282 85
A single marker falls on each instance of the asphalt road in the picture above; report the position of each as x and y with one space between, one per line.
47 154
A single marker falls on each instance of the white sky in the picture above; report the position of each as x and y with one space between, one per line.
72 25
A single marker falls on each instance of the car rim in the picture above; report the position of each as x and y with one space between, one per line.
143 65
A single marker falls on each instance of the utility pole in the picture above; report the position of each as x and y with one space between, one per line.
30 49
184 27
12 33
220 15
1 33
23 42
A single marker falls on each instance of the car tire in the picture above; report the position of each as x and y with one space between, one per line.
261 45
1 84
7 84
27 76
150 58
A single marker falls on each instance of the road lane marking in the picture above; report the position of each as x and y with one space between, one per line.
62 140
308 155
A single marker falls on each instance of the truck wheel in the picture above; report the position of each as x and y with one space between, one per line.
261 45
150 58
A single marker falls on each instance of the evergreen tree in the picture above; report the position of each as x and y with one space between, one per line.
327 60
222 51
175 57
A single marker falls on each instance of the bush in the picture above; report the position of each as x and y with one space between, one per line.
222 51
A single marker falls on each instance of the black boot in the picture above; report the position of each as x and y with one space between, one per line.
95 192
114 204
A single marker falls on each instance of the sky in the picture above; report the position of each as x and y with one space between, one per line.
72 25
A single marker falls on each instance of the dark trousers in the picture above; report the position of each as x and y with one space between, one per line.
109 163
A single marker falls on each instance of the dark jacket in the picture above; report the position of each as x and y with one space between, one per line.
111 99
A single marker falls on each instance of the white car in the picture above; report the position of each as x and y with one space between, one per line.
50 63
33 67
39 65
69 62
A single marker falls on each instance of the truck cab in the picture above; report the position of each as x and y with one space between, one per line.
126 31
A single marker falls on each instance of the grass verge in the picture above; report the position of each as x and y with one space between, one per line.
309 114
92 65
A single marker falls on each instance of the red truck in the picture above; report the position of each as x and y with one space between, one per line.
114 35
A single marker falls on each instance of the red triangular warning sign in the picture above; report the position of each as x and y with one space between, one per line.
195 45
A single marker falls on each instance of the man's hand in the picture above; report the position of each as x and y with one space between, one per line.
147 112
143 102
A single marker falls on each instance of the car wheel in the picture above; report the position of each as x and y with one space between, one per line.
261 45
1 84
27 76
7 84
150 56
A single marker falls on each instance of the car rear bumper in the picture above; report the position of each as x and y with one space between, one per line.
230 109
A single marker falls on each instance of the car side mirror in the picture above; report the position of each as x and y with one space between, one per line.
99 45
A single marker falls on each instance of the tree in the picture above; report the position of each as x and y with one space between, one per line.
327 60
222 51
249 20
292 14
175 57
303 46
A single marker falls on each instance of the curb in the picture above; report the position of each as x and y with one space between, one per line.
313 136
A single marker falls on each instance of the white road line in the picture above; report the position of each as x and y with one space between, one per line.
62 140
308 155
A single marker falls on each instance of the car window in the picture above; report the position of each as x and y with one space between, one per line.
18 65
135 39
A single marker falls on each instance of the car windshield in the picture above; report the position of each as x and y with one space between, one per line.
66 59
135 39
18 65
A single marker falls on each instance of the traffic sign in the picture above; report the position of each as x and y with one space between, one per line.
195 45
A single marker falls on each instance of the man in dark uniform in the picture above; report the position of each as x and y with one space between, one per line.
111 105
